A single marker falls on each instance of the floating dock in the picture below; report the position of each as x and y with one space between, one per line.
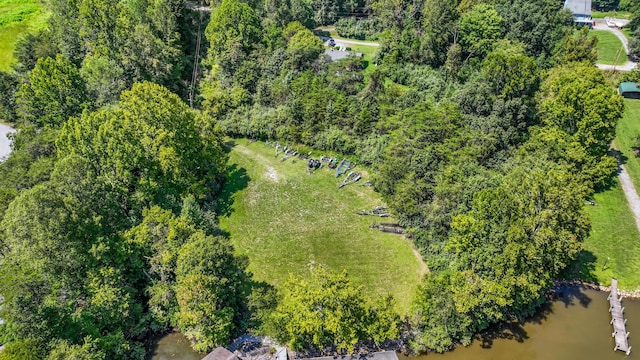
617 319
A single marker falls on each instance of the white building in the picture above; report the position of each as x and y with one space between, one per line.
581 10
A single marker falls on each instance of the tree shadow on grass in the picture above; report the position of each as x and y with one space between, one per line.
237 180
582 268
622 159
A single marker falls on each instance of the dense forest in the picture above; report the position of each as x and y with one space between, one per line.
485 122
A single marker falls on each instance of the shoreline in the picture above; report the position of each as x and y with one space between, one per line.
635 294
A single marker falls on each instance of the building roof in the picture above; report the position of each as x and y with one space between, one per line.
221 353
336 55
383 355
626 87
579 7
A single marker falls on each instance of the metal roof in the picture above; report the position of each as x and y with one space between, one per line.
626 87
579 7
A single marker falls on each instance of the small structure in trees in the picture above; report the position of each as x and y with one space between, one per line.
221 353
382 355
629 90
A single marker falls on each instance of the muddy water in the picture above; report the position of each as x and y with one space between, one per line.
173 346
576 326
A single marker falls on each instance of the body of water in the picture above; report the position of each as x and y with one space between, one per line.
5 143
173 346
574 326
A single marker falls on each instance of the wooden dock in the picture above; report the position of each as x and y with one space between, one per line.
617 319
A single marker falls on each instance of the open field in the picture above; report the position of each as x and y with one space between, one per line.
16 18
286 220
609 47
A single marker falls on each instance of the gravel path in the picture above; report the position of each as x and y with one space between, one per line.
348 42
5 143
630 193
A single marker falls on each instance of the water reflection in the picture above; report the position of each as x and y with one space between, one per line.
573 326
173 346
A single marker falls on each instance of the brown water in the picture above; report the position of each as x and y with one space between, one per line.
173 346
575 326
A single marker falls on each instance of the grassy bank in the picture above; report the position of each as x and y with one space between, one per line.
627 131
610 48
613 247
286 220
17 17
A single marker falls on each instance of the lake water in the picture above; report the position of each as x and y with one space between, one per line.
575 326
5 143
173 346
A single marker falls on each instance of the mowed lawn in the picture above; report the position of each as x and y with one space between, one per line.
614 236
286 221
609 48
17 17
627 131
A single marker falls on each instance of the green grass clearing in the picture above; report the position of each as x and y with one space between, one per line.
614 236
17 17
627 130
610 48
286 220
612 14
368 52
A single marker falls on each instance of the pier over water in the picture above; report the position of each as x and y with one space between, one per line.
617 319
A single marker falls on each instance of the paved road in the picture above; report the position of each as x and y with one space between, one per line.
629 65
5 143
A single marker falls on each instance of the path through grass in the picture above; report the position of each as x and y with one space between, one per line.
614 235
17 17
285 220
627 131
609 48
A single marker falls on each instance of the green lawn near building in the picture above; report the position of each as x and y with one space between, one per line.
610 49
287 220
